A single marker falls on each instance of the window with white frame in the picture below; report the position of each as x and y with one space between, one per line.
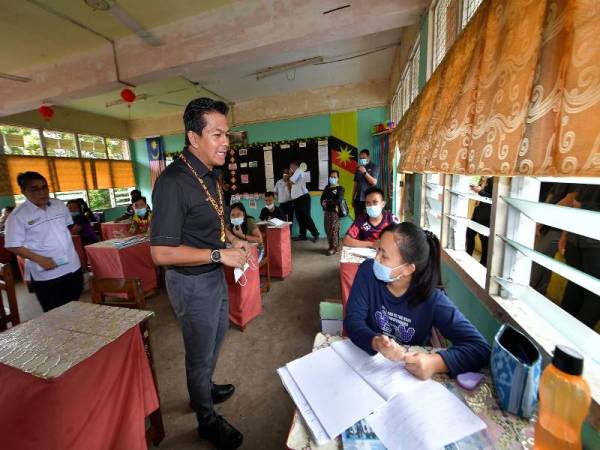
547 262
60 144
528 235
469 213
445 29
408 86
433 199
20 141
468 9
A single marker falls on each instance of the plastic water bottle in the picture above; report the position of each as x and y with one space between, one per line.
564 402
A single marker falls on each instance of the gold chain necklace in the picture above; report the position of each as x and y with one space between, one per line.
217 206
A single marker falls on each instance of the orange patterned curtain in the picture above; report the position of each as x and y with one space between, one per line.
517 94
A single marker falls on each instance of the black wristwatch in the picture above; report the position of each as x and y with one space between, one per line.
215 256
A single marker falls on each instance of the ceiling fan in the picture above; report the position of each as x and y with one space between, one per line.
125 18
139 97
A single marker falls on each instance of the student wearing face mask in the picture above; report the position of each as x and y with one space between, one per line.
270 211
396 300
364 179
331 200
81 225
284 196
142 217
244 227
367 227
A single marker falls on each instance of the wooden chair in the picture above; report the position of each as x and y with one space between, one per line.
103 292
7 284
264 268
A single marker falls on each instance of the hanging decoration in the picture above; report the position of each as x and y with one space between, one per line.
46 112
128 96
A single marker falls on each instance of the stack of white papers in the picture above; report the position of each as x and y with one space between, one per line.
337 386
128 242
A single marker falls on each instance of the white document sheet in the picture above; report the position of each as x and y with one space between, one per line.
426 418
276 222
317 432
323 149
387 377
338 396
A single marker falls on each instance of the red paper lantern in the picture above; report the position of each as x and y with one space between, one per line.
128 95
46 111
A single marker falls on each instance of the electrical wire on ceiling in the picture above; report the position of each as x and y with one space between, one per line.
365 53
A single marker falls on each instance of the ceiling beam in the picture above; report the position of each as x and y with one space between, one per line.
242 31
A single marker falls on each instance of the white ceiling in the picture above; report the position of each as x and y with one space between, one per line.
236 82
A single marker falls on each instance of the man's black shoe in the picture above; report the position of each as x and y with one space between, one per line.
299 238
221 434
314 238
221 392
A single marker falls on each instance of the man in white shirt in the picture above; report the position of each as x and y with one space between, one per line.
37 230
301 199
282 191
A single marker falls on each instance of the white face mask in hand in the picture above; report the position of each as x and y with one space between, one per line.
238 273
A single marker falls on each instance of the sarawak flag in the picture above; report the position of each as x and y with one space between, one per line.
343 157
156 156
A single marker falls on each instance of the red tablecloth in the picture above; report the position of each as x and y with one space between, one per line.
112 230
134 261
99 404
279 243
5 255
245 302
347 274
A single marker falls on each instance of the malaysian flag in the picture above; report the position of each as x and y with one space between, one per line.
156 156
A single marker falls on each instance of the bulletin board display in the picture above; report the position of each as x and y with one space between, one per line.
244 170
256 168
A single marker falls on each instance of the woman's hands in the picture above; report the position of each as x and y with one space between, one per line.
421 365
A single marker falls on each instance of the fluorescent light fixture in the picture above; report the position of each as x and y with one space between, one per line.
8 76
282 68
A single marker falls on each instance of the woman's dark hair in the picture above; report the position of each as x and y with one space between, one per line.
240 206
334 171
193 116
75 202
421 248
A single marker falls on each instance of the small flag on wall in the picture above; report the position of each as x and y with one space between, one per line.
156 156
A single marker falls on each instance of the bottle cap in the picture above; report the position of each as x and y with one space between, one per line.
568 360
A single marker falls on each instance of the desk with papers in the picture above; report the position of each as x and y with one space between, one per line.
502 430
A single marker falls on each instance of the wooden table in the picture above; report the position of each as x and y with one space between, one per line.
112 230
135 261
504 431
76 378
245 302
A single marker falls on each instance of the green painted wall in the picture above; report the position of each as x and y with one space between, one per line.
6 201
319 125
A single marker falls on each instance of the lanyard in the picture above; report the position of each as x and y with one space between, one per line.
217 205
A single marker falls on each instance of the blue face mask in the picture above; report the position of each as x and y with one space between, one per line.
363 161
75 213
374 211
333 180
141 212
384 273
237 221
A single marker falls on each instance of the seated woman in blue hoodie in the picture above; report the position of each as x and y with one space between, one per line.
396 300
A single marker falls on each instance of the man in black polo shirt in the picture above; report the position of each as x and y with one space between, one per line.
365 178
189 236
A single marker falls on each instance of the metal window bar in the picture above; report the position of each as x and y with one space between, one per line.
570 273
568 326
574 220
471 196
481 229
